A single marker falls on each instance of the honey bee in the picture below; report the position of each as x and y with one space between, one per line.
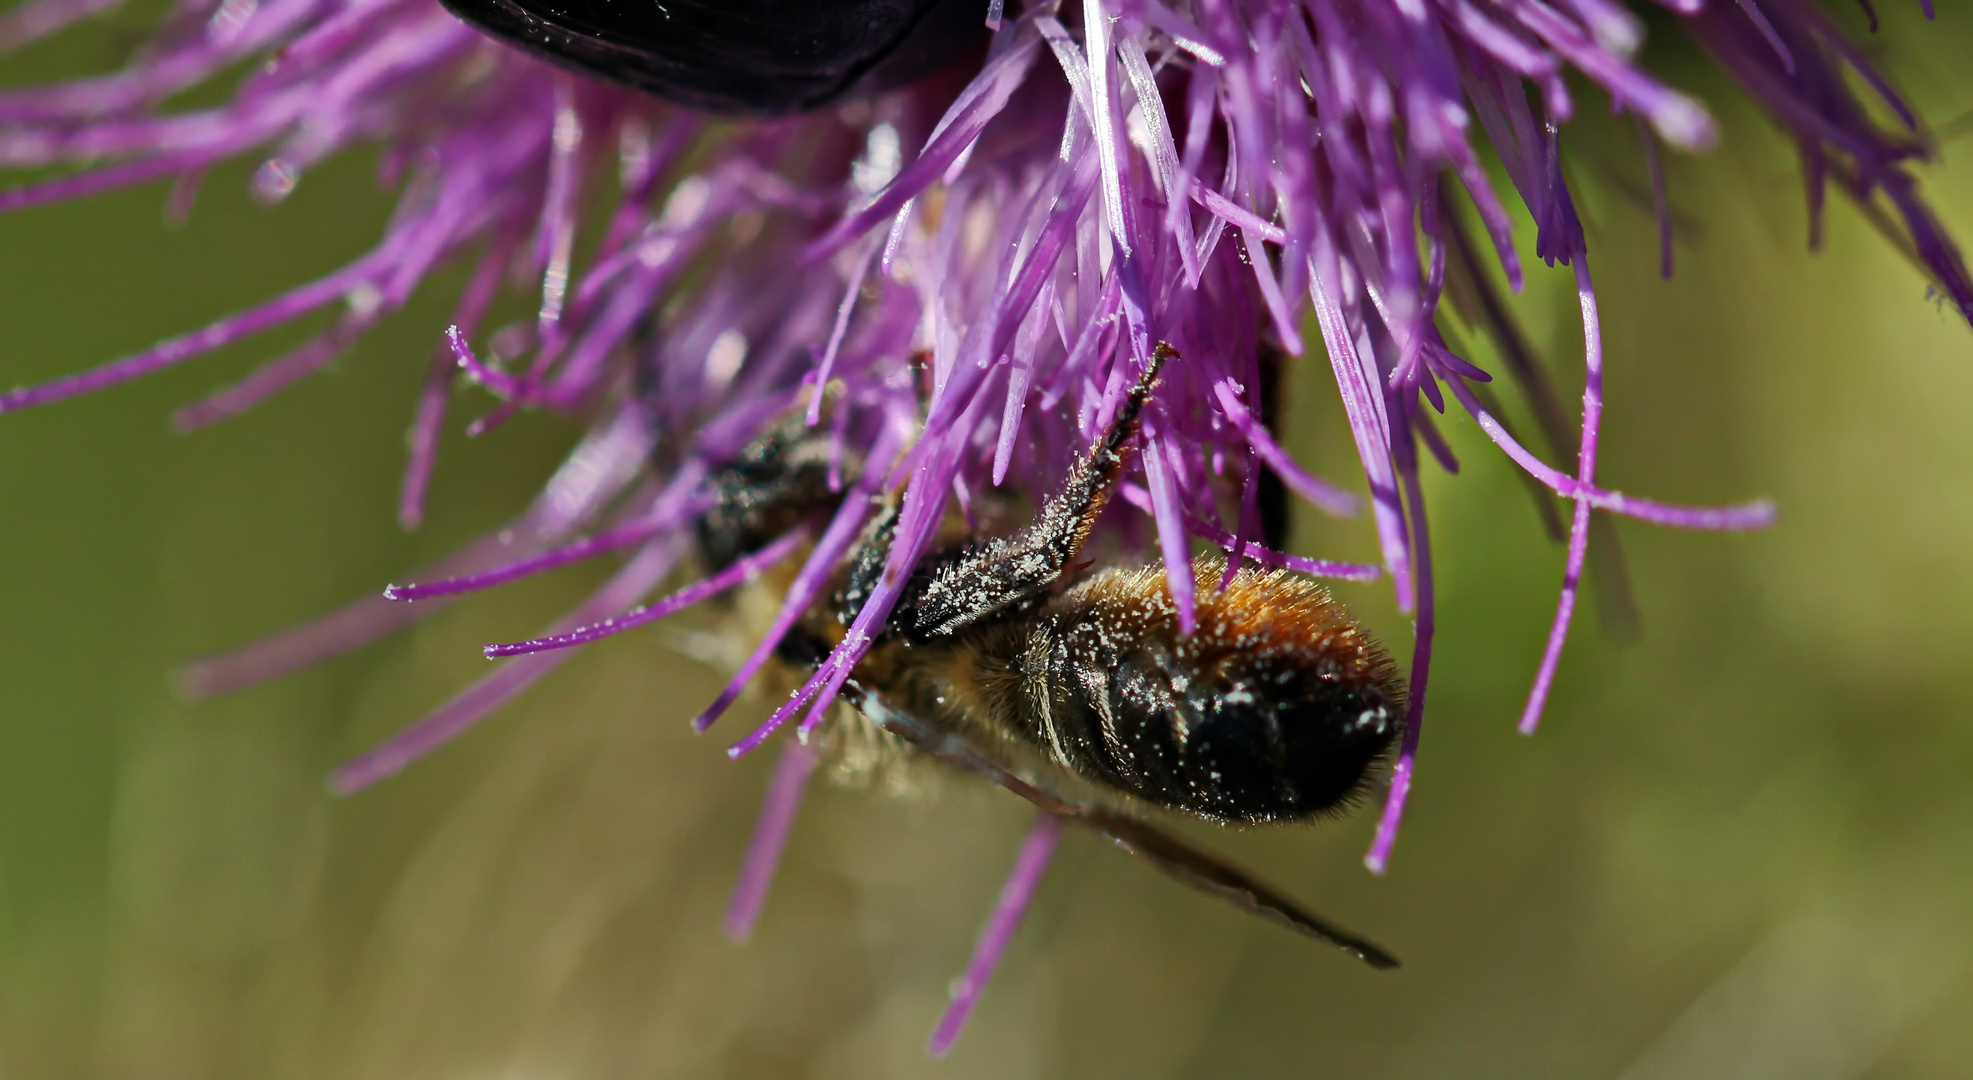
1074 687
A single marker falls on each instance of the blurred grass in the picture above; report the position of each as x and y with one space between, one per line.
1739 848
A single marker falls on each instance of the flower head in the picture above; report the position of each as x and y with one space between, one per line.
981 261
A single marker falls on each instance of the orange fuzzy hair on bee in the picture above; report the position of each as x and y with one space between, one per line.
1267 613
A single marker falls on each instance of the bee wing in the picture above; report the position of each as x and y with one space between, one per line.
1214 876
1202 870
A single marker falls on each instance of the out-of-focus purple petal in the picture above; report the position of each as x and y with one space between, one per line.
1378 858
777 819
1029 866
1572 572
594 474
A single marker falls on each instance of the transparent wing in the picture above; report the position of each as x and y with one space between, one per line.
1202 870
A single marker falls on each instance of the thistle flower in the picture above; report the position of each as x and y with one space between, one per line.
1099 179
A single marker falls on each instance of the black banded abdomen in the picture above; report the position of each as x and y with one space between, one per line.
1276 709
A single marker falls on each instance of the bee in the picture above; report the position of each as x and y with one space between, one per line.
1012 659
738 56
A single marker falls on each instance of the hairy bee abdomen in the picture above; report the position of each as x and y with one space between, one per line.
1275 709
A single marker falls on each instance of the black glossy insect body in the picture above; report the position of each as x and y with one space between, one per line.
752 56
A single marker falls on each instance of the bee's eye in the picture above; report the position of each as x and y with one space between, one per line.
758 56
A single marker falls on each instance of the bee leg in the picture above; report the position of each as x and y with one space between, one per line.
1009 575
1067 518
1178 860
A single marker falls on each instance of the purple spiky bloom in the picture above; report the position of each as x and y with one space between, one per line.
1205 173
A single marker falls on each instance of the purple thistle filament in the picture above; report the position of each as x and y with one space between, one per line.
1029 866
1113 174
777 819
745 569
1592 419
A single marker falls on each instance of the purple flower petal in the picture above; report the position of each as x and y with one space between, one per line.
777 819
1029 866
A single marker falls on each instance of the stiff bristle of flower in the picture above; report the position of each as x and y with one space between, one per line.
1029 867
1238 548
777 818
743 570
678 502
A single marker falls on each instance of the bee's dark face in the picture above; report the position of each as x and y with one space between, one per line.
751 56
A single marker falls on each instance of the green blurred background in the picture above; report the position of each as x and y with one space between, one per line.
1741 847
